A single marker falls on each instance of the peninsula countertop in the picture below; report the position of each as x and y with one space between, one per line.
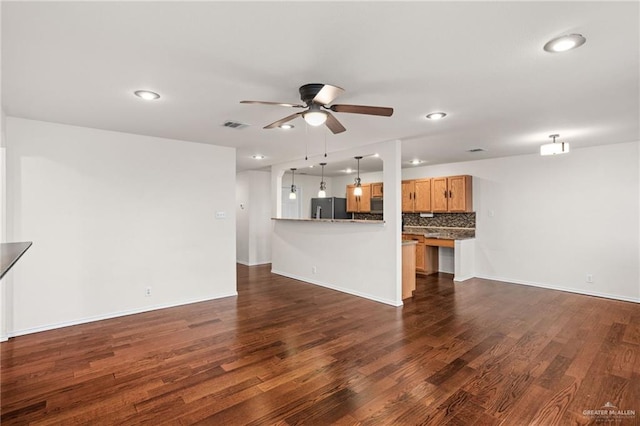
441 232
371 222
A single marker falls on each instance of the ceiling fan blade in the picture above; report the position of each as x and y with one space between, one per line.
327 94
333 124
273 103
282 121
363 109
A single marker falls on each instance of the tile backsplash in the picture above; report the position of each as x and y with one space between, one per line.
439 220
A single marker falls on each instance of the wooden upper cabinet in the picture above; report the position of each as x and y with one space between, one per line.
452 194
377 190
422 198
361 203
416 195
439 194
408 193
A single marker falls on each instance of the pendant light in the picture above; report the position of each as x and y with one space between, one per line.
323 186
292 194
357 191
554 147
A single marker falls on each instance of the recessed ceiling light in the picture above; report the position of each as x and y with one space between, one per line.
287 126
415 161
436 115
564 43
348 171
146 95
257 157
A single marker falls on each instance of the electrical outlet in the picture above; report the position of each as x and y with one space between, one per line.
147 292
314 270
589 278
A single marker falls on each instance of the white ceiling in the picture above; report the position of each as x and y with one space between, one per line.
481 62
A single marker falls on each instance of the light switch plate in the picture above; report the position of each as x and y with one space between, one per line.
221 215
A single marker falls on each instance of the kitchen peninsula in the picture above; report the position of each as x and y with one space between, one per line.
428 241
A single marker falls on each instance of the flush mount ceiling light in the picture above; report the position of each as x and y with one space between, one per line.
258 157
564 43
146 95
554 147
357 191
436 115
322 193
286 126
415 162
292 194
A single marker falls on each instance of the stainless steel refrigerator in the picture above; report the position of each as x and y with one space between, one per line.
329 208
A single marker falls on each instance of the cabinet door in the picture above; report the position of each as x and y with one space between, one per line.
352 202
459 193
422 195
439 194
408 189
420 258
364 200
376 190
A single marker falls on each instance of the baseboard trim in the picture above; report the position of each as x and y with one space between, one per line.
561 288
338 288
252 264
113 315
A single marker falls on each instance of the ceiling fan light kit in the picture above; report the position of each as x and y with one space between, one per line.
316 97
315 118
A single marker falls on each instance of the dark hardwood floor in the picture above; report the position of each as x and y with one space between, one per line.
285 352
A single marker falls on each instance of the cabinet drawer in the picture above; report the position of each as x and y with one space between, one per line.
437 242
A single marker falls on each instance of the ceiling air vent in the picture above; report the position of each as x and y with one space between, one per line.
235 125
476 150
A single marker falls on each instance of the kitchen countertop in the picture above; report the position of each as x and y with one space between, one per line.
441 233
408 242
371 222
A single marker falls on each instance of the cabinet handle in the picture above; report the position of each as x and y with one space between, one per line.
445 193
411 195
450 195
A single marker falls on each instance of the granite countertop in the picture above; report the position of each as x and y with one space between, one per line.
371 222
441 233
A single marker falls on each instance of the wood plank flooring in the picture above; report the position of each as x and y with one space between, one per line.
285 352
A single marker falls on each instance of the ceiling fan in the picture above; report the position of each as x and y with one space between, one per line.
317 97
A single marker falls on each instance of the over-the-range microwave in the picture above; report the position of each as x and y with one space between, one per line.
376 205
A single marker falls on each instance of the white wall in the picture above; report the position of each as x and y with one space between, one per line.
253 210
550 221
361 259
110 214
243 223
3 224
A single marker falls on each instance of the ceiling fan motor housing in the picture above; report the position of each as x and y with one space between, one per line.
309 91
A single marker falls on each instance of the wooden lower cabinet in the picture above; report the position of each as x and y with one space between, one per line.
420 251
